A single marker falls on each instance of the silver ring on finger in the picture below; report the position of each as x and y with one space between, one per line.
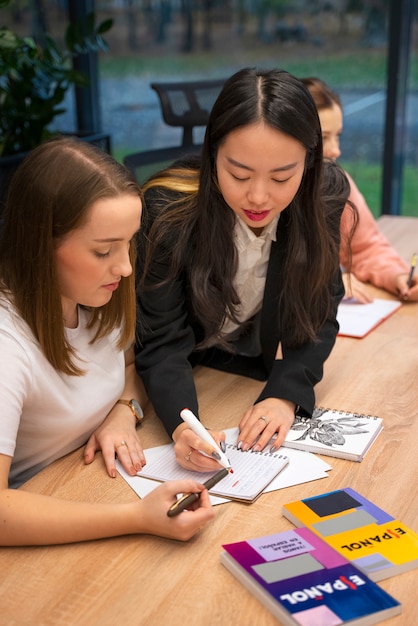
264 419
122 443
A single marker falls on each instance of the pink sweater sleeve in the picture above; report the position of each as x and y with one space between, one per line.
373 259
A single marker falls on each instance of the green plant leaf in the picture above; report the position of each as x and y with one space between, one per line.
34 80
105 26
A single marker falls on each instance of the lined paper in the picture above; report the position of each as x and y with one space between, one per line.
253 471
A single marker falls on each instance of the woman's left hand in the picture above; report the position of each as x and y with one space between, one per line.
260 423
117 434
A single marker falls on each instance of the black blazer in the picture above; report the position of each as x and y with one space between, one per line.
167 333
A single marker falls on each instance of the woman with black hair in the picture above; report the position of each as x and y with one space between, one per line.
240 265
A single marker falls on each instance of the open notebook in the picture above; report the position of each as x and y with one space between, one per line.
357 320
302 467
253 471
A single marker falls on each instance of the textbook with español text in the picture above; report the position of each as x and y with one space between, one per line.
377 543
304 582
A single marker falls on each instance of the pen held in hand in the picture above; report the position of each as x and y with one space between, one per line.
412 270
188 498
197 427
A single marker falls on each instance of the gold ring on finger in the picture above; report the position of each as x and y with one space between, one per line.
187 457
122 443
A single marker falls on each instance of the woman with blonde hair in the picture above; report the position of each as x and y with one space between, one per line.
368 257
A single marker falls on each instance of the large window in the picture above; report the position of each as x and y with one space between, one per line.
344 42
409 189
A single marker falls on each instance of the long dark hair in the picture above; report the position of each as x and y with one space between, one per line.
203 224
49 196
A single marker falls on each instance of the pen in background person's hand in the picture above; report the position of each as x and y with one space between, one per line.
412 270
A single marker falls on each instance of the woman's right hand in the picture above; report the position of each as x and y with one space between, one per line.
153 511
188 448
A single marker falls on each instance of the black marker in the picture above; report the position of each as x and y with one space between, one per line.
188 498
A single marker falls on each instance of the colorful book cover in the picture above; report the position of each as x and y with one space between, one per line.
304 582
377 543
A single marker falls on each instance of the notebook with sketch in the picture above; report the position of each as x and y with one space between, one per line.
336 433
357 320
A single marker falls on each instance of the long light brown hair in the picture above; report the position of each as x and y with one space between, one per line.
322 94
49 196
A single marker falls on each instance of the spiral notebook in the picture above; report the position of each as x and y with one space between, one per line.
335 433
253 471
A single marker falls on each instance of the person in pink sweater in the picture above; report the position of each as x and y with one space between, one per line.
373 260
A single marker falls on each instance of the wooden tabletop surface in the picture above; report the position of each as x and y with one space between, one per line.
144 580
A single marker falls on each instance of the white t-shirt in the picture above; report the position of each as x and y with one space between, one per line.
45 414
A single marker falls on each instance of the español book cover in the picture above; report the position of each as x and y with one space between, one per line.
377 543
304 582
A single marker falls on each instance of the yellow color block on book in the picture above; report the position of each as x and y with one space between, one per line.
373 540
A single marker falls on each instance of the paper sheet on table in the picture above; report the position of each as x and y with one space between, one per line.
357 320
303 467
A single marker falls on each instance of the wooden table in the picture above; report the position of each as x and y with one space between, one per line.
142 580
402 232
